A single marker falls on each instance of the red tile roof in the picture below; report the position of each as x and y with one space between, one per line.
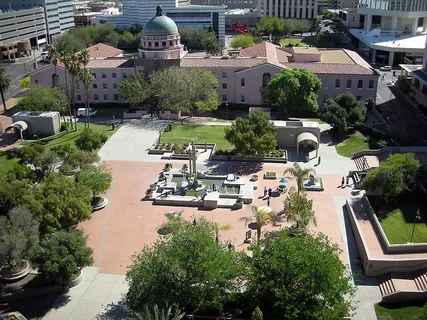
259 50
110 63
102 50
239 62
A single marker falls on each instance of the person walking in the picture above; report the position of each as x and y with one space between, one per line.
269 192
318 160
342 182
268 201
265 191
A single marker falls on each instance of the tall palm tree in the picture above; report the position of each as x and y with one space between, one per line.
299 173
86 76
159 314
84 58
299 210
262 216
53 56
74 68
217 228
4 85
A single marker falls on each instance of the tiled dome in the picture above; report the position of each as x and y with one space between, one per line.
159 25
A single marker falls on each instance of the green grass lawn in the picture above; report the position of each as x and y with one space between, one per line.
286 42
354 143
399 223
198 134
403 313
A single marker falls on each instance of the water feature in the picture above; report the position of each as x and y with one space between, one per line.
210 182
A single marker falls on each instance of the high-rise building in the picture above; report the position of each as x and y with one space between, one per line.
304 9
58 13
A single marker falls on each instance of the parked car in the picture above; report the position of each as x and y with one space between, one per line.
81 112
386 68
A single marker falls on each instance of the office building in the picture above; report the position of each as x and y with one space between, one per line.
299 9
20 31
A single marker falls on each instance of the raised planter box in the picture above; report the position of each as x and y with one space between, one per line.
77 280
249 159
158 151
270 175
100 205
18 275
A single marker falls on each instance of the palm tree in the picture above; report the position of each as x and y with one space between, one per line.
262 216
86 76
84 58
64 57
217 228
74 68
4 85
299 173
159 314
53 56
298 209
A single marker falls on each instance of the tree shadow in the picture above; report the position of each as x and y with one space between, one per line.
252 225
116 311
227 167
360 210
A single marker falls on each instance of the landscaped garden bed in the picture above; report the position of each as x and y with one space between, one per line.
279 156
270 175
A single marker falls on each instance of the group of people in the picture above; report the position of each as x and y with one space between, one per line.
213 187
346 179
268 192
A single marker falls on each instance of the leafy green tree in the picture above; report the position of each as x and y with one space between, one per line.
356 109
28 154
61 255
302 25
179 89
252 136
257 314
18 233
19 172
310 281
288 27
63 150
326 39
242 41
334 114
14 193
262 216
211 45
25 83
299 210
80 159
90 140
299 173
397 174
5 83
192 37
188 268
127 41
270 25
294 90
135 90
97 178
68 41
106 34
159 314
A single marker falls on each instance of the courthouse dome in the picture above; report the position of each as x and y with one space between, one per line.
159 25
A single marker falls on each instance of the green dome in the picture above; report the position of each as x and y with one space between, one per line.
159 25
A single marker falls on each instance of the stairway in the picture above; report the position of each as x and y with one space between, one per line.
420 278
361 163
386 284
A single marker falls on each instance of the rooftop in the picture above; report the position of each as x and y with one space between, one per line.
240 62
102 50
110 63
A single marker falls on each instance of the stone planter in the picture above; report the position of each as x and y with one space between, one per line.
254 178
17 275
100 205
270 175
77 280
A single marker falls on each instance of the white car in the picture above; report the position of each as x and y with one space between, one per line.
81 112
386 68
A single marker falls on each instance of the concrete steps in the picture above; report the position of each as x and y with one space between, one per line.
226 203
420 279
386 284
361 163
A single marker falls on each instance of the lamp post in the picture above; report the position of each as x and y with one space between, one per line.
417 218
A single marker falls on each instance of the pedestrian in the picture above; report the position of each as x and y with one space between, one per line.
268 201
318 160
342 181
269 192
265 191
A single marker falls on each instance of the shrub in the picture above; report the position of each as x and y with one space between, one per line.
64 126
168 147
63 150
90 140
19 172
81 159
67 169
29 154
179 149
97 179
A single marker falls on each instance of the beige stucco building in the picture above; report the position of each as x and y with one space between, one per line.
242 79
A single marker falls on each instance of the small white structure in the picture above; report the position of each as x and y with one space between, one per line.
39 123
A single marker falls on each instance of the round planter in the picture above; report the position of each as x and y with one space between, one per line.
254 178
17 275
100 205
77 280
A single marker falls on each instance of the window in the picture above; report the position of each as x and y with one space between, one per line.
114 85
326 84
266 77
171 43
116 97
359 98
156 44
242 82
224 98
164 43
95 97
94 75
371 84
224 86
224 75
104 75
114 75
359 84
104 86
79 98
348 84
242 98
265 99
337 83
125 76
105 97
94 86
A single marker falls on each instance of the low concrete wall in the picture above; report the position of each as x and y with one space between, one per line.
177 202
250 159
405 295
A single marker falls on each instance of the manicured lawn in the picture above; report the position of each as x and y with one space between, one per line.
286 42
356 142
198 134
399 224
6 164
403 313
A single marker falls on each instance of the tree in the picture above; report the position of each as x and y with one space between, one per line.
192 37
270 26
217 228
382 144
302 25
135 90
187 268
356 109
90 140
25 83
326 39
159 314
74 69
242 41
106 34
299 173
18 233
86 77
211 45
61 255
294 90
252 136
15 193
53 56
187 90
97 178
127 41
397 174
80 159
262 216
288 27
310 281
335 115
299 209
4 85
257 314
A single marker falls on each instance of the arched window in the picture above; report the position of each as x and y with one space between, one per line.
266 77
55 80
